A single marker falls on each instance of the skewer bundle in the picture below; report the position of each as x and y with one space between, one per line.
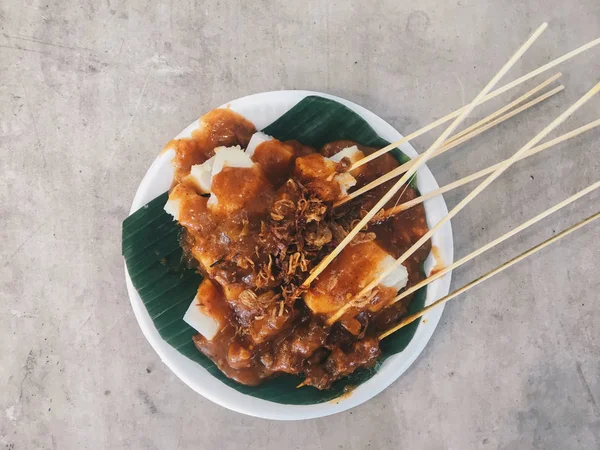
445 142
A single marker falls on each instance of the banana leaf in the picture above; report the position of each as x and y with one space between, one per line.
153 258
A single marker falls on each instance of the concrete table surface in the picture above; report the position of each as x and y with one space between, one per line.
90 91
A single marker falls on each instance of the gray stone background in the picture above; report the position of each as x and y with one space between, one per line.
91 91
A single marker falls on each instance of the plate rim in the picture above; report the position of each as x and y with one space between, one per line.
391 369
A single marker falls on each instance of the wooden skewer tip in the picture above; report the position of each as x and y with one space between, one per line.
460 138
503 166
456 293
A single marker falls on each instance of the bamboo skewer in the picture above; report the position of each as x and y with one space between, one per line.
495 93
503 166
506 108
437 144
497 241
448 145
483 249
522 256
409 204
459 140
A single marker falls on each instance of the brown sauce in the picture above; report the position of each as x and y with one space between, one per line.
276 159
269 226
220 127
241 189
345 277
439 262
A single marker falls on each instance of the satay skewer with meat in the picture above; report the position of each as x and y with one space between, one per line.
255 250
270 249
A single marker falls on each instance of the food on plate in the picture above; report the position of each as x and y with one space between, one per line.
257 216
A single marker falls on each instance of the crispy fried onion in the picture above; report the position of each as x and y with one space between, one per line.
298 233
363 237
317 235
282 209
294 262
251 300
362 302
311 210
265 274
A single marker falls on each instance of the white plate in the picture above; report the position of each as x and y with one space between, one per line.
262 109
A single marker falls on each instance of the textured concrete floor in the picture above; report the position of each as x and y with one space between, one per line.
90 92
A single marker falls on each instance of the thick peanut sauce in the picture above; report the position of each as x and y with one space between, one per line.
273 222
